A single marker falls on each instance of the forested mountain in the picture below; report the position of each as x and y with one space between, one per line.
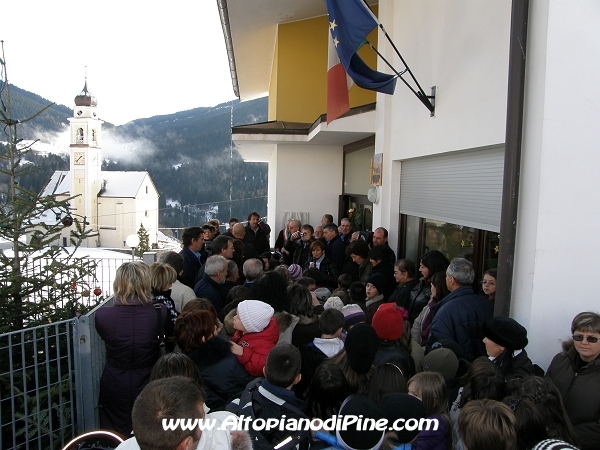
187 155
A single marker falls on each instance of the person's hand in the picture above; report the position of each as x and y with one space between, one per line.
237 349
315 300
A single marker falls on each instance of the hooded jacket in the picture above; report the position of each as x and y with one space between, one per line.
256 347
579 383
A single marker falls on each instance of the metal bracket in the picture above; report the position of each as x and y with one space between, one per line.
432 100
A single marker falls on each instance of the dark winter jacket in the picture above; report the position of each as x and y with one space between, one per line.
222 374
579 385
258 239
419 297
459 318
401 296
364 270
328 271
306 330
211 290
336 252
299 251
191 266
256 347
130 333
312 356
513 367
387 270
373 305
263 400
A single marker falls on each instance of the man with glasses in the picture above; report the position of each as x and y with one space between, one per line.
298 248
461 314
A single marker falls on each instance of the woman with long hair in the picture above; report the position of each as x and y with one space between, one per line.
422 324
430 263
130 331
430 388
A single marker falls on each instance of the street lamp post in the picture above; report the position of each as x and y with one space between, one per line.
132 241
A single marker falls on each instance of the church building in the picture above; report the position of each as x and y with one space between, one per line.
113 204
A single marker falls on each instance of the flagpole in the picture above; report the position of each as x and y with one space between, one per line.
424 98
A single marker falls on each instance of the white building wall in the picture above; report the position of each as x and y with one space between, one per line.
357 171
304 178
557 249
462 48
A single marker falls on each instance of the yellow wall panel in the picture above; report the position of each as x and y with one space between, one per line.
298 89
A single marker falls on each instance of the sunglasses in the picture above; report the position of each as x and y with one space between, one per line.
581 337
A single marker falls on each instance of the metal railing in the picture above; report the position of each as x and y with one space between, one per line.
88 368
50 377
37 389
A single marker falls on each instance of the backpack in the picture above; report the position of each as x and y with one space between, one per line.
244 407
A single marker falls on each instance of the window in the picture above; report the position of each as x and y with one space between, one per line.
419 236
94 136
80 135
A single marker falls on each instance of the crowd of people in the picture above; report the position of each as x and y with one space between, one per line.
330 323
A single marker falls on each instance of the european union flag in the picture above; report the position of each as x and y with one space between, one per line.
350 22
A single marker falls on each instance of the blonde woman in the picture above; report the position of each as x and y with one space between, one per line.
129 330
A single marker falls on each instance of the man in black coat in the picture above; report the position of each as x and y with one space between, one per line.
193 240
335 249
255 235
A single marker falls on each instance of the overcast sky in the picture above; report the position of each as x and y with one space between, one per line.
143 58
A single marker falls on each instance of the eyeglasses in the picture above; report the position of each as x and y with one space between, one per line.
581 337
488 283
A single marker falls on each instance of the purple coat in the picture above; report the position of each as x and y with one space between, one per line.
439 439
130 333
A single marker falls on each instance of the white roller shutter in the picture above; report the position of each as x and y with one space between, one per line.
464 188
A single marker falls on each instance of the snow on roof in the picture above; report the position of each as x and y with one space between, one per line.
122 184
60 183
118 184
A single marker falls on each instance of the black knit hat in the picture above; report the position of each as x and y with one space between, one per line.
506 332
358 438
377 280
361 346
403 406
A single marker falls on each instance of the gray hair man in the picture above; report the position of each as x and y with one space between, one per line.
253 268
461 314
209 287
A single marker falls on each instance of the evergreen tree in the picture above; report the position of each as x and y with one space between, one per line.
40 281
144 244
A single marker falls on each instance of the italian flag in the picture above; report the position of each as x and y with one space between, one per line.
338 85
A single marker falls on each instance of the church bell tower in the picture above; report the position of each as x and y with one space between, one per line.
86 158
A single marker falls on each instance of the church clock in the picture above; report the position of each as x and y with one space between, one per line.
79 158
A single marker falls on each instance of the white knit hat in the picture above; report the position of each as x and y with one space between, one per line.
254 315
334 302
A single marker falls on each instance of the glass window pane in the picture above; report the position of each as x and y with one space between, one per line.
412 238
454 241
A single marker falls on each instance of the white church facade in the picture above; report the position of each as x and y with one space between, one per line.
113 204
